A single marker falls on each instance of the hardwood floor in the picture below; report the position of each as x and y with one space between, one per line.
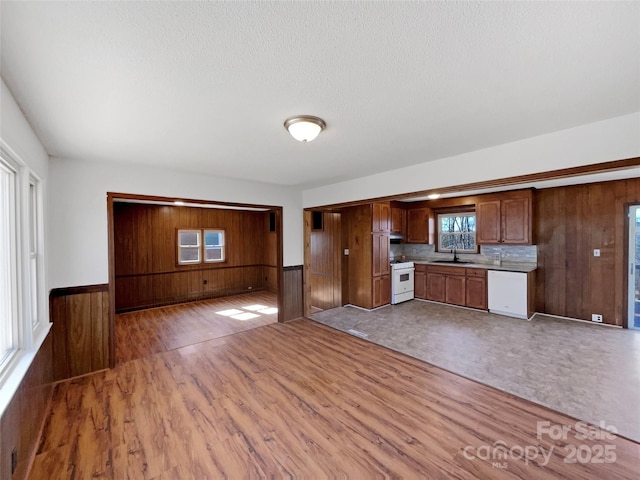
155 330
303 400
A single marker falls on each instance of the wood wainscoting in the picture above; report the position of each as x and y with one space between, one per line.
571 222
146 269
291 297
23 419
82 330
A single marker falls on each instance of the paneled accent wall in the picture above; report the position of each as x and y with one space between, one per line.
292 300
146 268
572 221
81 330
22 420
326 263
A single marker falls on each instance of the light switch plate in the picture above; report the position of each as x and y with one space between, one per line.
346 251
596 252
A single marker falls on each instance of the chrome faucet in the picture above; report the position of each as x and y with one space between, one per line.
455 255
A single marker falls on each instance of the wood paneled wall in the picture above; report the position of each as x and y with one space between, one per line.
22 421
571 222
291 296
82 333
325 263
146 269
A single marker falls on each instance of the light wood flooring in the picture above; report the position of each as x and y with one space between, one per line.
303 400
144 332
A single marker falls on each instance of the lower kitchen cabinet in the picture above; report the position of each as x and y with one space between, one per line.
381 290
466 287
455 289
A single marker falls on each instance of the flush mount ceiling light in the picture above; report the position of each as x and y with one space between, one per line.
433 196
304 128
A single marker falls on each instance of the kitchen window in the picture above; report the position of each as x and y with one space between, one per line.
201 245
457 230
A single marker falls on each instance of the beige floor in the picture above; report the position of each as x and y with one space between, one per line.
589 372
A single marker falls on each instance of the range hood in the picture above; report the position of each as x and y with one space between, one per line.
396 238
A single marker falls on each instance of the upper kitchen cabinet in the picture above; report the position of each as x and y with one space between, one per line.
398 220
418 225
381 217
505 218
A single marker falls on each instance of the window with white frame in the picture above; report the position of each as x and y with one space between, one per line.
213 246
457 231
204 245
9 323
188 247
23 308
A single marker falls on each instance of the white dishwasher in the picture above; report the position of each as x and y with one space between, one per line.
508 293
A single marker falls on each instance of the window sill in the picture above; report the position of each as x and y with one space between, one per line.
19 368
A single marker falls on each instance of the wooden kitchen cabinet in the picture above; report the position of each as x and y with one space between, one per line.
466 287
380 254
418 225
381 290
420 282
398 220
381 217
505 219
476 288
455 289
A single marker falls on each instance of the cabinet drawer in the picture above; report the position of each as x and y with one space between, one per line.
476 272
420 268
446 270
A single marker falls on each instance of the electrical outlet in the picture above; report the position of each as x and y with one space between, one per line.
596 317
14 460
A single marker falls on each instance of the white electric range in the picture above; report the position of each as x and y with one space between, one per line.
402 281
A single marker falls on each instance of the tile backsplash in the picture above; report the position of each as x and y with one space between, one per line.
487 255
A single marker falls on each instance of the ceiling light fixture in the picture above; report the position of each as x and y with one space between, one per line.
304 128
433 196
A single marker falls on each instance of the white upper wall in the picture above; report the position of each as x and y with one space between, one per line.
18 135
78 240
614 139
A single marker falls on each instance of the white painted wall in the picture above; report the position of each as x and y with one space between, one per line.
78 239
613 139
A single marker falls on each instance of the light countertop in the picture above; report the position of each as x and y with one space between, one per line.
505 266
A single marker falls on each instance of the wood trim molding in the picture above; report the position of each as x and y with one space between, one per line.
66 291
292 267
603 167
154 198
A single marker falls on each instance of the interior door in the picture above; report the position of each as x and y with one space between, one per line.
634 267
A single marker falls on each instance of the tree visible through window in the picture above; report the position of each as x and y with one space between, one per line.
457 231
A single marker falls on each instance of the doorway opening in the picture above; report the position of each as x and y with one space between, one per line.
634 268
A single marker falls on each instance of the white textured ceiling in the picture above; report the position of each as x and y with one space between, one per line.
206 86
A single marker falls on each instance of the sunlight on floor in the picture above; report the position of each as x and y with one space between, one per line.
253 311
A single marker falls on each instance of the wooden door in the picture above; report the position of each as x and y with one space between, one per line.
326 263
436 287
455 291
488 222
516 221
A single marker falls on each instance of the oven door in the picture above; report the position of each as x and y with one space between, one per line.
402 281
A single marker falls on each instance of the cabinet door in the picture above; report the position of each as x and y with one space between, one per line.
381 219
381 290
488 222
455 291
380 254
516 221
397 220
420 287
436 287
418 225
476 292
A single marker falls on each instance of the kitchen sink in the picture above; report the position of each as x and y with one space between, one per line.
451 262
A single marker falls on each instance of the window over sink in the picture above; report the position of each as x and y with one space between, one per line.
457 230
